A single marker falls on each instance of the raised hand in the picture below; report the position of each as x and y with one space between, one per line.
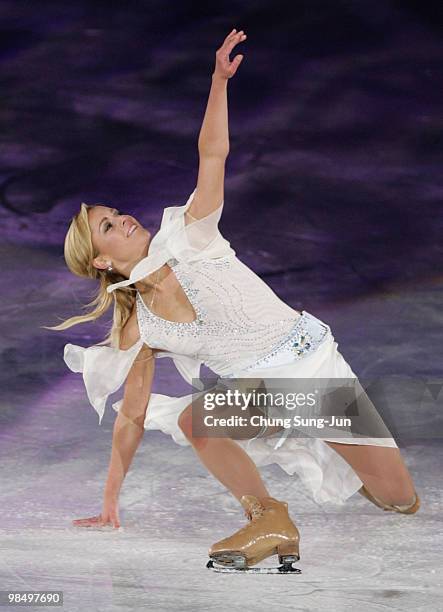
224 68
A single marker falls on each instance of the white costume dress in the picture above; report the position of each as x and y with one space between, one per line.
241 326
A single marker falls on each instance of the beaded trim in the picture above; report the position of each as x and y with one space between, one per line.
219 263
300 341
179 328
203 324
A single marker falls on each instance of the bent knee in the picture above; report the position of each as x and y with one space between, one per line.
415 506
185 422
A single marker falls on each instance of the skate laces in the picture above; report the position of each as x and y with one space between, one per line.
253 508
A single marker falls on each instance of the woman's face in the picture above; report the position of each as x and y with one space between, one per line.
119 239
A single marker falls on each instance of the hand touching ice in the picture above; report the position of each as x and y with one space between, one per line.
108 516
223 66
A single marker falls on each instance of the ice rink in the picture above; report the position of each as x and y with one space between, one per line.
333 196
54 459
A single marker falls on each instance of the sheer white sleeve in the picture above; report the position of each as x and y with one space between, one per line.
197 240
191 239
104 369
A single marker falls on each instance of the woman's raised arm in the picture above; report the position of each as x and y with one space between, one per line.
213 141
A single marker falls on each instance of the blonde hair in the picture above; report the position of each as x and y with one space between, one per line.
79 254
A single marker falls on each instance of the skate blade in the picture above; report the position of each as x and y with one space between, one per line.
285 568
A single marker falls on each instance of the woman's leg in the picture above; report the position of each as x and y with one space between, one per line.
226 460
381 469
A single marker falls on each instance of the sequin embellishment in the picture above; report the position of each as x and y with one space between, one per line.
299 341
223 335
302 344
219 263
177 328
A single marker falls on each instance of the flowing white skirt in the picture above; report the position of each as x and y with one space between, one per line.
325 475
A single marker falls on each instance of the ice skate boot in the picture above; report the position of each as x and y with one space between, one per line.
270 531
406 509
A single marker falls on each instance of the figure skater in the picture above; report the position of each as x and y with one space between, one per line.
184 294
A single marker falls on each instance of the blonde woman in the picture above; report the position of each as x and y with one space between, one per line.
183 293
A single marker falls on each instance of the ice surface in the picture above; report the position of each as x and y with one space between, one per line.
334 178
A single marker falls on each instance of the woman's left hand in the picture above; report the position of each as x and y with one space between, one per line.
224 68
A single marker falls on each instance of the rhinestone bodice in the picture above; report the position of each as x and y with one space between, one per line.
238 316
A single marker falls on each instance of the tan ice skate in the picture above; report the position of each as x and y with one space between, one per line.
406 509
270 531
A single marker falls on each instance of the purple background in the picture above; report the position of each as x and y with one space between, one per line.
333 195
333 191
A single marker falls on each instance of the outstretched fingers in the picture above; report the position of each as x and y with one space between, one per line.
97 521
231 40
88 522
